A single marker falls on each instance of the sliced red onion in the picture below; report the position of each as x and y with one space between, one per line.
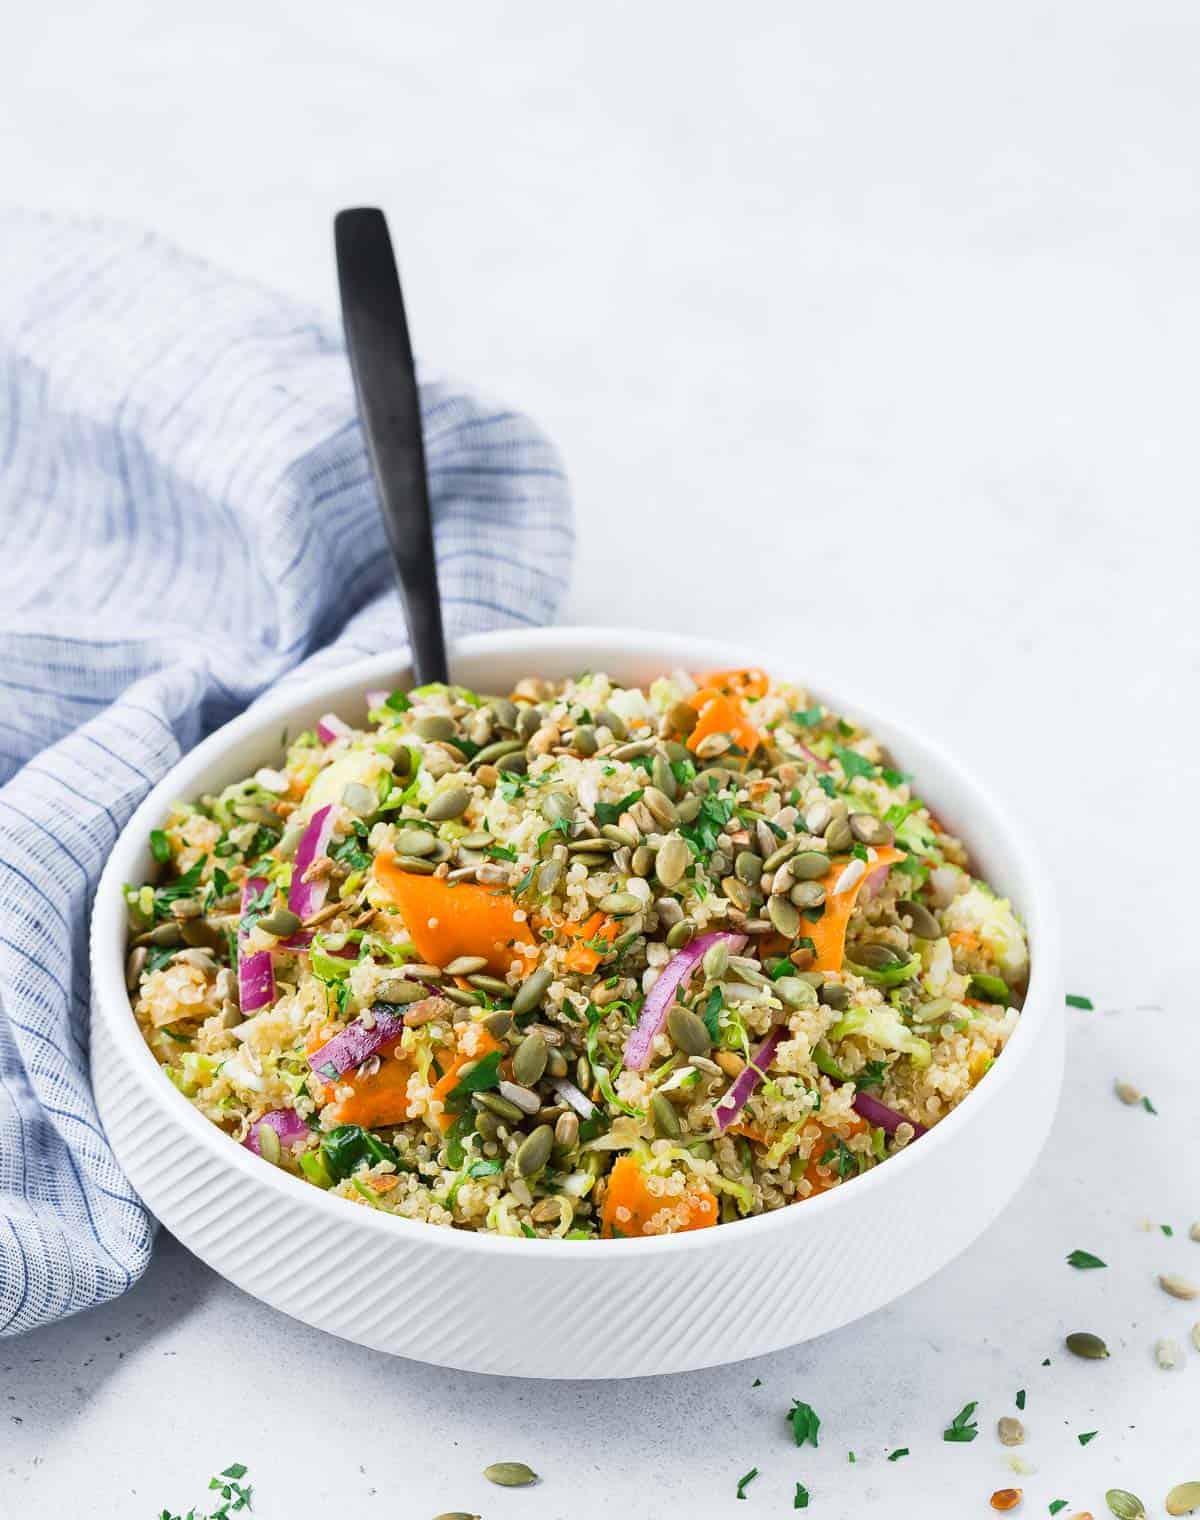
813 757
658 1000
286 1123
569 1093
877 1113
306 897
356 1042
331 727
873 883
376 698
256 974
744 1084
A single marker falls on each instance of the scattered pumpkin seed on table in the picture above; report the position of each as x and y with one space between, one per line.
510 1474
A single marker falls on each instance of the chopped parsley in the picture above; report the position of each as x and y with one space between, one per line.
842 1159
962 1427
1075 1000
610 812
1020 1400
701 834
1148 1106
160 846
871 1075
900 1451
827 785
805 1422
801 1499
234 1496
896 778
744 1480
1167 1230
853 764
1085 1260
757 1383
1056 1504
182 886
1085 1436
397 701
711 1012
810 717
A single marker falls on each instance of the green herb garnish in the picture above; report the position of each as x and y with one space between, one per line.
1074 1000
805 1422
160 846
1085 1260
801 1499
610 812
1086 1435
1020 1400
853 764
900 1451
744 1480
1056 1504
1148 1106
962 1427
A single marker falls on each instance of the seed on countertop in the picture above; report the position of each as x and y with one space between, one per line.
531 991
457 1514
921 921
1183 1499
1194 1232
1127 1092
1010 1430
688 1031
1166 1354
1124 1505
534 1151
868 829
510 1474
1178 1287
1084 1343
1006 1498
529 1059
664 1118
681 934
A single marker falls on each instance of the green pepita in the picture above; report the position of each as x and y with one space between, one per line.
620 904
809 865
737 892
662 809
435 726
584 740
558 805
921 921
497 1105
784 916
688 810
664 1118
716 961
498 1024
549 876
610 721
777 857
748 867
680 934
835 996
664 777
510 1474
868 829
415 865
134 967
491 753
672 860
807 894
399 990
515 764
874 957
620 836
415 842
281 922
687 1031
531 991
1084 1343
464 965
1124 1505
534 1151
838 836
494 986
448 804
529 1059
682 717
796 992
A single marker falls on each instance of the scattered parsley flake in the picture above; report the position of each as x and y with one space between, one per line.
1084 1260
1021 1397
962 1427
1167 1230
850 1457
1148 1106
1087 1435
744 1480
1075 1000
801 1499
900 1451
1056 1505
1045 1361
757 1383
805 1422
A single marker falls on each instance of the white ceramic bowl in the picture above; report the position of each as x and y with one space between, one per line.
591 1309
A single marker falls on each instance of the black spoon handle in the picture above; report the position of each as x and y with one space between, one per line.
388 406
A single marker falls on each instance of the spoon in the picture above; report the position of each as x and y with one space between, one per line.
389 409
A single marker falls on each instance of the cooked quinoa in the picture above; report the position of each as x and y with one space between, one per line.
583 960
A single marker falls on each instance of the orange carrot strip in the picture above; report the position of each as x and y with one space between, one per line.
739 683
828 934
448 919
627 1192
381 1098
721 714
583 957
474 1042
822 1178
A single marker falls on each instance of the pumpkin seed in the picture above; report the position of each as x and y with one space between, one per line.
583 1074
868 829
566 1131
584 739
447 805
619 904
662 809
663 1118
504 712
556 1064
498 1024
716 961
479 839
515 764
682 717
524 1097
282 922
398 989
633 751
529 720
838 836
748 867
1178 1287
672 860
548 877
269 1147
796 992
1084 1343
457 1514
495 1104
921 921
529 1059
415 842
809 865
835 996
161 934
807 894
435 726
1010 1430
414 865
534 1151
619 836
1183 1499
664 777
688 809
687 1031
531 991
591 847
1124 1505
874 957
464 965
680 934
490 753
134 967
510 1474
494 986
737 892
610 721
784 916
642 861
785 852
558 805
462 997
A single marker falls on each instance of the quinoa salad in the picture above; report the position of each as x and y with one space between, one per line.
579 960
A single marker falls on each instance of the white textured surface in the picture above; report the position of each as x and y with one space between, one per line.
863 284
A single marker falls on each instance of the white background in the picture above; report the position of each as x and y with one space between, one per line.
871 328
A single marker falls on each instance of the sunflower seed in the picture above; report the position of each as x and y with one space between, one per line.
1183 1499
510 1474
1178 1287
525 1099
672 860
464 965
566 1131
851 875
548 877
818 817
641 862
531 991
1010 1430
634 751
534 1151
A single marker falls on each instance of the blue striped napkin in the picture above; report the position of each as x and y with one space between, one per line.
186 514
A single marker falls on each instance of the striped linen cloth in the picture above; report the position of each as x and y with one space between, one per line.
186 517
